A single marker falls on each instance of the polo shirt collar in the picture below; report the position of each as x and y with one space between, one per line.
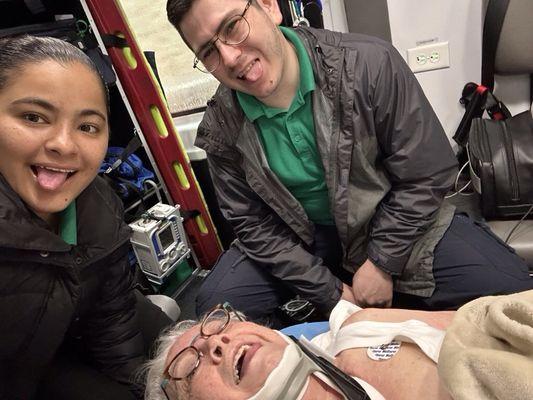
68 224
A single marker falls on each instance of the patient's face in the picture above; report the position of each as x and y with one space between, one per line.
216 376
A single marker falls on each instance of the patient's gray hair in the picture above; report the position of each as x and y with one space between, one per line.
155 367
153 370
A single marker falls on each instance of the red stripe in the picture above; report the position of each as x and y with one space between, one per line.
481 89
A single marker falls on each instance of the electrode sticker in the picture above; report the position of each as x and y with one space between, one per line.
383 352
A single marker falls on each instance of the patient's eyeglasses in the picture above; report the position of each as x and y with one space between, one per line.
185 363
234 31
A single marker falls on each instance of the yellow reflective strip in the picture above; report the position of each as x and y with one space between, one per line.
201 224
182 176
159 122
128 54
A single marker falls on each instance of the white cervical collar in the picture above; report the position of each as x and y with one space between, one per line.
289 380
290 377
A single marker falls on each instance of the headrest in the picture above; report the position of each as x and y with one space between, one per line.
514 54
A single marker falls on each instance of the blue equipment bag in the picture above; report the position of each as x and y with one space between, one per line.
129 175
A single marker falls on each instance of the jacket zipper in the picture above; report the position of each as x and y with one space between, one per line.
511 165
333 160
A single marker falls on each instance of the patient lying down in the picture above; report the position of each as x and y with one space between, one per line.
391 353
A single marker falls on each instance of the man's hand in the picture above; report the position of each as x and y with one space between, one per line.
371 286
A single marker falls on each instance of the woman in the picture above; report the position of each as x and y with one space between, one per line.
485 353
70 328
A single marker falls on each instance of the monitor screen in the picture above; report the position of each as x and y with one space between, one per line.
166 238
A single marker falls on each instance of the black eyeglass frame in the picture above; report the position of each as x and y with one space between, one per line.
229 313
217 37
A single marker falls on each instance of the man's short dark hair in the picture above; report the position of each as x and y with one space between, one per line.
176 10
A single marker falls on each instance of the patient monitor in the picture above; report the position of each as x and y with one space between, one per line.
159 241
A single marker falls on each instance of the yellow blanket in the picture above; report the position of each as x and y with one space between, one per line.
488 349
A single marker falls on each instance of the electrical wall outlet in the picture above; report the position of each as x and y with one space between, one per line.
429 57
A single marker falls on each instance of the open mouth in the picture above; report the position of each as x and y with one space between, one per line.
51 178
238 363
242 75
36 169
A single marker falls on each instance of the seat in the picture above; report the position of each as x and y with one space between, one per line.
167 304
521 239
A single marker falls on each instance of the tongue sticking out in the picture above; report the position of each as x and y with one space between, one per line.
50 180
255 72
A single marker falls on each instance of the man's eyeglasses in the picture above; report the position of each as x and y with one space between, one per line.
187 360
234 31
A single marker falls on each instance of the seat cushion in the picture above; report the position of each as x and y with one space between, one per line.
167 304
521 239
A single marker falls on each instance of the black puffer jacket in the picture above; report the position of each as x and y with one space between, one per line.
51 291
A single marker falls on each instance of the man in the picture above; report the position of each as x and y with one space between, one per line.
327 158
483 352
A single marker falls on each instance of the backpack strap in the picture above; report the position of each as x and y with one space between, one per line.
492 29
478 99
132 146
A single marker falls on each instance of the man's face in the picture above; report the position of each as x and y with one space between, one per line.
255 66
234 365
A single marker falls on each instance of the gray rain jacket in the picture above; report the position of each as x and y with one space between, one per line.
387 162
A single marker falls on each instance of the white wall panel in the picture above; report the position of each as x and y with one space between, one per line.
334 15
417 22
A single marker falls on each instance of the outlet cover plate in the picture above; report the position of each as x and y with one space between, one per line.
429 57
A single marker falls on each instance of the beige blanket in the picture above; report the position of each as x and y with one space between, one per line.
488 350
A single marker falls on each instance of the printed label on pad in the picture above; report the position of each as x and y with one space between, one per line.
383 352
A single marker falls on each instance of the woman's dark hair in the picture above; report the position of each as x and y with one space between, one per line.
18 51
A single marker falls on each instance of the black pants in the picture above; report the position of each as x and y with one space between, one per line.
70 378
469 262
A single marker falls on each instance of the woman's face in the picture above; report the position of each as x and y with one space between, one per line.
53 133
235 363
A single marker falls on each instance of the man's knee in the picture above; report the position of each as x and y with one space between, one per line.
471 261
218 281
244 284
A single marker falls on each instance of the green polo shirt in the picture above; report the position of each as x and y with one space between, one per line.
68 224
289 142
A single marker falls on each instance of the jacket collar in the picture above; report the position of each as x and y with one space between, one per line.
97 212
22 228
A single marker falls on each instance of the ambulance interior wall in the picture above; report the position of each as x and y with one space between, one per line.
458 22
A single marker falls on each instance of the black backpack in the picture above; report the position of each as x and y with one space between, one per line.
499 149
